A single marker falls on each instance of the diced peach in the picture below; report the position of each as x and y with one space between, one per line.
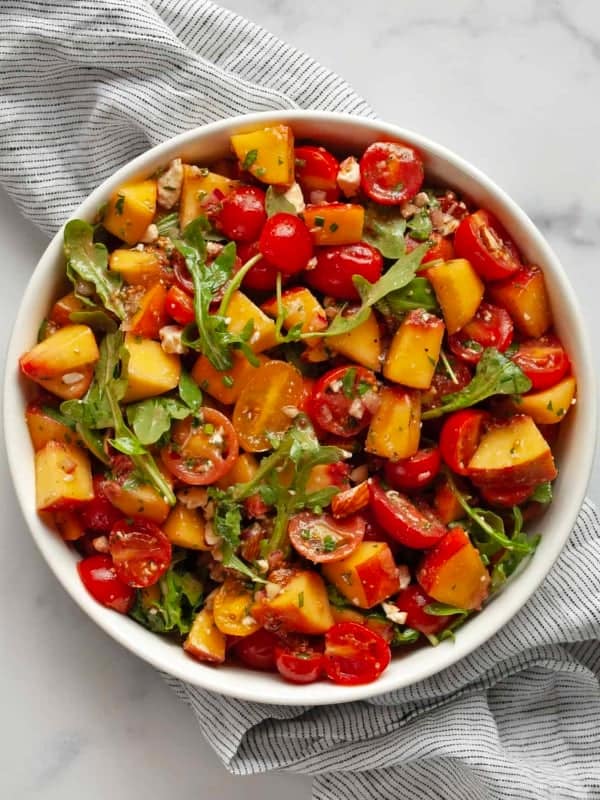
136 267
240 311
395 429
139 500
198 184
415 350
302 308
551 405
185 528
362 344
243 470
64 307
150 370
67 350
365 577
130 210
446 504
44 428
205 641
232 605
301 604
69 525
71 385
525 298
335 223
452 572
63 477
459 291
326 476
268 153
225 386
151 314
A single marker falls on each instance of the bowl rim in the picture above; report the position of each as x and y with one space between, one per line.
506 605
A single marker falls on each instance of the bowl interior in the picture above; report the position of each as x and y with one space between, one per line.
575 450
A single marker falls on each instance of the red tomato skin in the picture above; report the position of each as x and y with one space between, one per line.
100 578
412 601
262 277
181 272
99 515
140 551
286 243
412 526
469 244
329 411
506 498
257 651
317 170
243 214
336 264
460 437
299 665
391 172
180 306
544 361
354 654
491 326
415 472
351 529
442 384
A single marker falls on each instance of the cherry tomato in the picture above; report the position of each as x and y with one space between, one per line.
316 171
412 601
299 661
343 400
411 525
181 272
415 472
140 551
99 577
336 265
391 172
460 437
442 384
262 277
257 651
543 361
490 327
180 306
259 412
286 243
243 214
99 515
506 497
321 538
354 654
482 240
201 452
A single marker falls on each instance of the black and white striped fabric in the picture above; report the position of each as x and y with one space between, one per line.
84 86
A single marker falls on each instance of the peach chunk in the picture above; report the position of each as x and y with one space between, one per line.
63 477
205 641
297 603
365 577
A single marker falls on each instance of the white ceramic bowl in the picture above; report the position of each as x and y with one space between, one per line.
575 450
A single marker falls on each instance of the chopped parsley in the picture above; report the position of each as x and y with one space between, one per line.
249 159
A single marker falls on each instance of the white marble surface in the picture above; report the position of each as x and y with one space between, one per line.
514 87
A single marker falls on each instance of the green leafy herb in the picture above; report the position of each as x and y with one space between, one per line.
174 610
542 493
384 229
249 159
416 294
443 610
168 225
276 202
336 598
151 418
120 204
96 318
300 599
401 636
348 382
420 226
494 374
89 262
319 222
94 442
227 523
189 391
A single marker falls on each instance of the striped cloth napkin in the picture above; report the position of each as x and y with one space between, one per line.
84 87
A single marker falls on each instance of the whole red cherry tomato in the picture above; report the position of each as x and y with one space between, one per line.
337 264
262 276
286 243
257 651
482 240
201 454
321 539
411 525
354 654
243 214
412 601
140 551
343 400
98 515
99 577
460 437
490 327
179 305
391 172
543 361
505 497
299 661
316 171
415 472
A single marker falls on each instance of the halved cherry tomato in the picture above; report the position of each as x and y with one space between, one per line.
286 243
316 171
140 551
321 538
440 249
505 497
442 384
460 437
543 361
243 214
490 327
336 266
391 172
99 515
343 400
181 272
412 601
411 525
415 472
257 651
201 452
354 654
99 576
260 410
482 240
299 661
180 305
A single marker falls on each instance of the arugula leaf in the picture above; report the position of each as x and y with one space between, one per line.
276 202
93 441
443 610
151 418
384 229
227 523
494 374
402 636
168 225
542 493
189 391
89 262
416 294
420 226
96 318
174 610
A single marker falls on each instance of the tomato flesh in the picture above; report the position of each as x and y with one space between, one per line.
320 538
543 361
99 576
412 601
343 400
257 651
482 240
391 172
180 306
415 472
490 327
460 437
412 526
243 214
140 551
316 171
286 243
299 662
336 266
354 654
